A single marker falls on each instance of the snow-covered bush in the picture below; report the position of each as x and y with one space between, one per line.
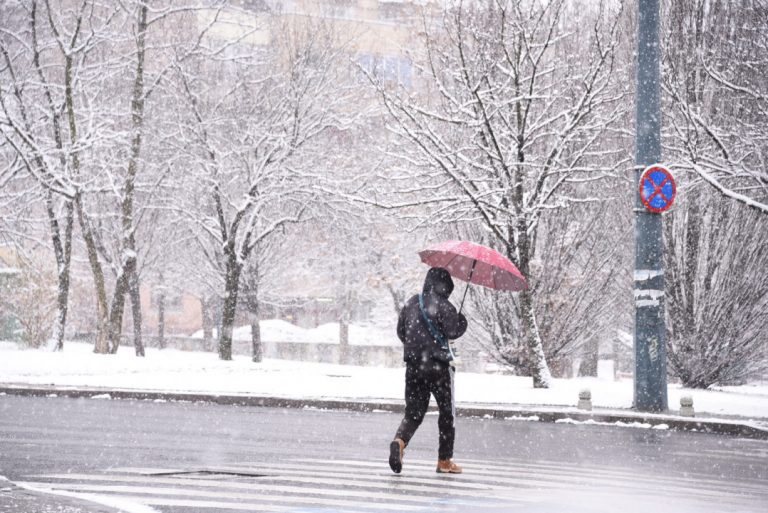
29 297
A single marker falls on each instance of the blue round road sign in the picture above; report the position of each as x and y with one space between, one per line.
657 188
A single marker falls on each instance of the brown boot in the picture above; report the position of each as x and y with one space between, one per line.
396 450
448 467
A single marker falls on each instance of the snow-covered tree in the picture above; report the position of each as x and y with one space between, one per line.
142 54
582 266
715 54
44 54
253 133
81 78
27 297
717 295
512 100
716 139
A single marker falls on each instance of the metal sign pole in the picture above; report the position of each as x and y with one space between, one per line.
650 331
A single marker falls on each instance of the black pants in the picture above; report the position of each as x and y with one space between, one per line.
420 381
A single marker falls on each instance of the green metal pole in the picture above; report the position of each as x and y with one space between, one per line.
650 330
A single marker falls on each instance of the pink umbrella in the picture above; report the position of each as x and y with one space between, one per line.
474 263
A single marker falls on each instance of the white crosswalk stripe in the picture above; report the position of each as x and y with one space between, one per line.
286 486
303 485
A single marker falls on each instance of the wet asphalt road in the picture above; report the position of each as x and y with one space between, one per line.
310 460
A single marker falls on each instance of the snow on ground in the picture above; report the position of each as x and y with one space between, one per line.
180 371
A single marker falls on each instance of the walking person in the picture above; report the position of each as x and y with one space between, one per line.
426 323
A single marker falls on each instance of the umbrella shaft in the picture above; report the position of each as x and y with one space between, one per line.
469 280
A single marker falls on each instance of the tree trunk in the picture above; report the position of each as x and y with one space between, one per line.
542 378
101 345
589 358
250 292
135 294
344 338
62 304
231 291
537 359
116 311
251 297
398 298
206 312
63 253
161 321
258 349
252 301
129 278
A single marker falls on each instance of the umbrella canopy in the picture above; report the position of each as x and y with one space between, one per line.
474 263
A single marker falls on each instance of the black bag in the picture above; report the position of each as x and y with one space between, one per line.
442 350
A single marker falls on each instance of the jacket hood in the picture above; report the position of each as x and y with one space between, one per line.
439 282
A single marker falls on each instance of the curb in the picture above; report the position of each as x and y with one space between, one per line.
739 428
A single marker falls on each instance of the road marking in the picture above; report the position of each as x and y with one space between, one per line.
505 475
239 485
503 480
301 485
113 502
141 493
364 485
383 479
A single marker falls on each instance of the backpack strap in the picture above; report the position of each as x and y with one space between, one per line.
432 329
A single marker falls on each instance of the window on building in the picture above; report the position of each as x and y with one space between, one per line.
392 11
341 9
390 69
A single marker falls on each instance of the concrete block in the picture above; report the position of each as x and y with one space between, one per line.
686 406
585 399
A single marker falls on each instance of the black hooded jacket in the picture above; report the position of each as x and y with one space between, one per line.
412 330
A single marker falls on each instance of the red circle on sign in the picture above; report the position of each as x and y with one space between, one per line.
657 182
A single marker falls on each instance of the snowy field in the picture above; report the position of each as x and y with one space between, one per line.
180 371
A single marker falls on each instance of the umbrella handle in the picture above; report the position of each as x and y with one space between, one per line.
469 280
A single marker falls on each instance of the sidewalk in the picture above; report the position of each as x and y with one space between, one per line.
173 375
